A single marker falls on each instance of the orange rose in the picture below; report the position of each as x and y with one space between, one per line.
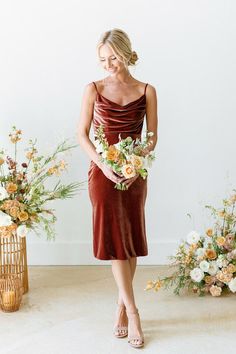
209 279
23 216
112 153
210 253
209 232
11 187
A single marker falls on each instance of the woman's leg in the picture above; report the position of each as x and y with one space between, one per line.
121 316
123 276
133 263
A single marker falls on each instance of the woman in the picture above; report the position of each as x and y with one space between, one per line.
119 102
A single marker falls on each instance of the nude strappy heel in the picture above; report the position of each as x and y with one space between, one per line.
120 331
138 341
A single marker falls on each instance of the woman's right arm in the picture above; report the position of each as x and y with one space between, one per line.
86 116
84 125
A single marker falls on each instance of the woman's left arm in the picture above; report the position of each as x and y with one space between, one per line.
151 117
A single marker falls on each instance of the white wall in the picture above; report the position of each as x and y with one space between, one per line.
186 50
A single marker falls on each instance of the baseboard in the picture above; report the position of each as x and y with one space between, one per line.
81 253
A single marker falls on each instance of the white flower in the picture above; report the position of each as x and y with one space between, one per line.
5 219
193 237
98 146
104 154
117 145
22 231
200 251
148 160
207 241
3 193
197 274
204 265
213 268
219 261
150 133
232 285
225 262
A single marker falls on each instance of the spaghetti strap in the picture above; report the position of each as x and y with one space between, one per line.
95 86
145 89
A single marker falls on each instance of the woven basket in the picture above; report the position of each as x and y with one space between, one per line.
13 259
11 291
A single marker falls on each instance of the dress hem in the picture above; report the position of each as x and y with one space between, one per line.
119 259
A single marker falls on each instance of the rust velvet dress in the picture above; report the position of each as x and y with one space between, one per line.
118 216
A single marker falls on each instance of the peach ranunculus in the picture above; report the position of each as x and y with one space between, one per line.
14 211
231 268
136 161
220 241
224 277
215 290
112 153
23 216
128 171
210 253
209 232
11 188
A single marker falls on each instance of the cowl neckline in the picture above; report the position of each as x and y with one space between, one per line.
117 104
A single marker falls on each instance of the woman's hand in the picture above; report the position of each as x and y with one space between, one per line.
110 174
129 181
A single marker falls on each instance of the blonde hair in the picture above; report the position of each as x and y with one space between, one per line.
119 41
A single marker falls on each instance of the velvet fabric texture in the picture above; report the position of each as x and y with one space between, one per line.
118 216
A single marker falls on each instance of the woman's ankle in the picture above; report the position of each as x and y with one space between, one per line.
131 309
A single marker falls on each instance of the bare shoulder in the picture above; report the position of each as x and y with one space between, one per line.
151 90
151 93
90 92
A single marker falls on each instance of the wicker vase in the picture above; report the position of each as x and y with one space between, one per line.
11 291
13 259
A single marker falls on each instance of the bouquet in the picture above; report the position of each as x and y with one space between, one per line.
127 157
23 191
206 263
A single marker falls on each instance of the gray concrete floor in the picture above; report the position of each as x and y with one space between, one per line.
71 309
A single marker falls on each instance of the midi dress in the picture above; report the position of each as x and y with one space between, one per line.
118 216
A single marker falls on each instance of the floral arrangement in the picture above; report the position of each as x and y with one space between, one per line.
23 191
128 157
206 263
